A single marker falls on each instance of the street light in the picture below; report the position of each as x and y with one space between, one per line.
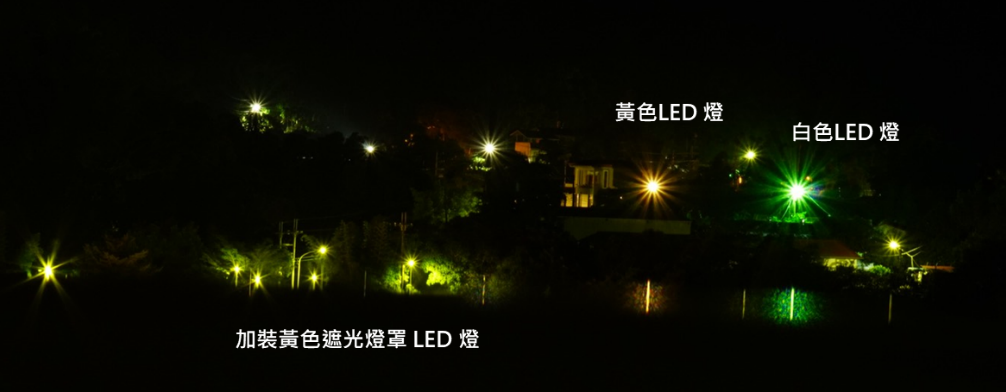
652 187
411 263
256 283
237 272
256 107
797 192
321 250
490 149
369 148
750 155
314 280
893 245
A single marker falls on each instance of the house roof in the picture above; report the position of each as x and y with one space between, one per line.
828 249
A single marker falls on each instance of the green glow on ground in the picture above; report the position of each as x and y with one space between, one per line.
806 307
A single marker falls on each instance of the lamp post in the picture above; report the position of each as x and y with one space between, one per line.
256 115
256 283
321 250
489 150
411 263
895 246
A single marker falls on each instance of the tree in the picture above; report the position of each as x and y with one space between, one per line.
377 244
270 261
344 250
283 119
224 262
444 202
117 256
174 249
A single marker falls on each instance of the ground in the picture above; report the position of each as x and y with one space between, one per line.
182 334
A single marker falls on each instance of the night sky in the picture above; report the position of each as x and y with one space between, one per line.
354 64
374 70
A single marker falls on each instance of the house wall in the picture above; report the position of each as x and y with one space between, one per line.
524 148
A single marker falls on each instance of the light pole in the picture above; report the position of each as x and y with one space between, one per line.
895 246
489 150
256 115
237 272
411 263
749 158
256 283
321 250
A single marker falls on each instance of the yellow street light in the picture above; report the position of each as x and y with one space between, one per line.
411 263
296 271
237 272
369 148
750 155
256 107
894 245
653 187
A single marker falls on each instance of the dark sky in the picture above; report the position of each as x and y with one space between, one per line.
354 64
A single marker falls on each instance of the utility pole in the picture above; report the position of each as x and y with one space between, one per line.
440 183
280 243
403 225
293 255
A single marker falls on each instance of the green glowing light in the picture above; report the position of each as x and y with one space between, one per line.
789 306
797 191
